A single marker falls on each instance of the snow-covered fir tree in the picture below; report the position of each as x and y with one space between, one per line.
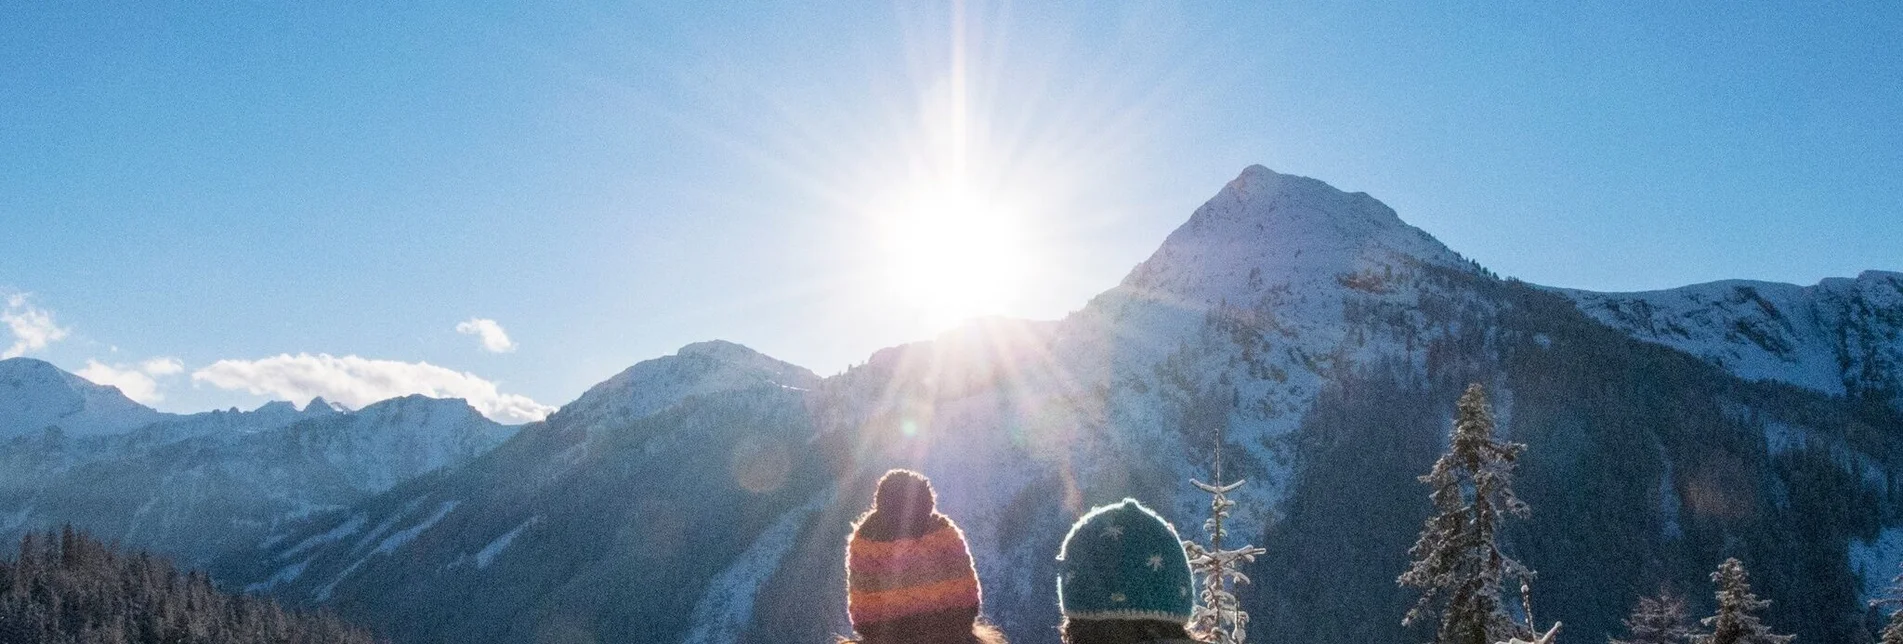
1658 620
1458 565
1735 622
1892 599
1218 616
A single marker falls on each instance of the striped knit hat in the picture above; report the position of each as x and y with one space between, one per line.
908 572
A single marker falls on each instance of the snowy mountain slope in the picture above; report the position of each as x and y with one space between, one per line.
1283 308
195 485
35 396
374 448
613 494
697 369
1324 337
1841 336
31 461
596 435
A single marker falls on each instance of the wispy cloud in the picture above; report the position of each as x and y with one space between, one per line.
494 339
357 381
32 327
138 382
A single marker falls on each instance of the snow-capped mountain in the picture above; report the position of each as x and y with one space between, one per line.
643 455
1326 341
196 485
36 396
375 448
1842 336
1266 229
697 369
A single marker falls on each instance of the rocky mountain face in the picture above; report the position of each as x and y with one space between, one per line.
196 486
1842 337
706 496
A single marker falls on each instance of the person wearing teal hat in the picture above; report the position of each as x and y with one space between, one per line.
1123 578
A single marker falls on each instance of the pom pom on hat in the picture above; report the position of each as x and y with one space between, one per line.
906 495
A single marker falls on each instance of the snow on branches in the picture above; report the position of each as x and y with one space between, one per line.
1735 622
1218 616
1458 565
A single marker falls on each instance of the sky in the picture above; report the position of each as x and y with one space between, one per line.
219 204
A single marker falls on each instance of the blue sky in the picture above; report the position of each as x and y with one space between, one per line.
202 182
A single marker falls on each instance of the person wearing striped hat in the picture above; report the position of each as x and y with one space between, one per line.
1123 578
909 576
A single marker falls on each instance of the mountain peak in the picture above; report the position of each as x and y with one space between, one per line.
1253 178
416 402
275 407
324 407
720 349
23 368
699 368
1265 228
35 394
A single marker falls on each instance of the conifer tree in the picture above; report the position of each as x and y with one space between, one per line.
68 588
1658 620
1218 616
1893 598
1735 622
1458 565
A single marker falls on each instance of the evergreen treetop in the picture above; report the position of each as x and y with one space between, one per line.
1458 565
1658 620
68 588
1735 622
1892 597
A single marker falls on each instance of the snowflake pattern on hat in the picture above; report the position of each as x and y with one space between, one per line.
1122 561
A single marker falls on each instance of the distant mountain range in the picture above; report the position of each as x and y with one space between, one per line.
704 496
196 486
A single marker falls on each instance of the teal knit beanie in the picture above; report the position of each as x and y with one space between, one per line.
1122 561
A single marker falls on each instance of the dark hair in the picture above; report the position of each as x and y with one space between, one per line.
1120 631
981 633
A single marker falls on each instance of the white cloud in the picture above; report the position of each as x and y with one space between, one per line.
162 366
139 382
131 382
494 339
33 327
356 382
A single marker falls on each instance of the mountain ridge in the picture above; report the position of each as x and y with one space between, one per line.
1297 318
196 485
1841 336
1321 334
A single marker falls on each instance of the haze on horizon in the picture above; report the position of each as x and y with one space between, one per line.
216 205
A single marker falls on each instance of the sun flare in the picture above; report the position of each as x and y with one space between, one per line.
956 253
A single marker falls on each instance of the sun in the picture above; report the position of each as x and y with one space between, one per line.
956 253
